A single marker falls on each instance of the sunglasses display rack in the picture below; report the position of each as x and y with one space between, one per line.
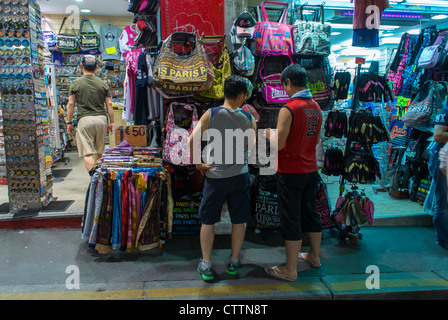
24 106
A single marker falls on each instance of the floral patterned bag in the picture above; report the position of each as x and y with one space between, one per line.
176 148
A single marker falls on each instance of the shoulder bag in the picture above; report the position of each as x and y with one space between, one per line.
67 42
433 56
273 37
182 75
88 40
49 35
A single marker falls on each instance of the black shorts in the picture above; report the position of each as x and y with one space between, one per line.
235 190
297 194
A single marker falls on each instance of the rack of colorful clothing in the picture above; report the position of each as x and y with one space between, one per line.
124 207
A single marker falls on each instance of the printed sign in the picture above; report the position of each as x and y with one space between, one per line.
134 135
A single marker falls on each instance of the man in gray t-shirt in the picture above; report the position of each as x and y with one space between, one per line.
231 131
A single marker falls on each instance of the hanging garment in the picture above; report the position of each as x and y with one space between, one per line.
116 220
141 94
98 206
110 42
104 234
341 84
90 207
148 235
366 24
124 209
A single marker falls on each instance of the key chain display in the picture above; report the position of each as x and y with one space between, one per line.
24 106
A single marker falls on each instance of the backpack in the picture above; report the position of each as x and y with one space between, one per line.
270 91
243 61
434 56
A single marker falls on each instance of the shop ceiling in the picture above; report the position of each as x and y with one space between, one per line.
113 8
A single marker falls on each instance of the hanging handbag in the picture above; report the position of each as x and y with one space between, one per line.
273 37
420 111
221 71
182 74
176 149
244 61
271 86
88 40
49 35
319 84
312 37
433 56
67 42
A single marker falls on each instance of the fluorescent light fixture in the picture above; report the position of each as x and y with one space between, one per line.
427 3
335 33
415 31
439 16
350 26
85 10
394 40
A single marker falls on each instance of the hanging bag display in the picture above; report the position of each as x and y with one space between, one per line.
67 42
244 61
312 37
320 86
176 148
182 75
49 35
273 92
273 37
88 40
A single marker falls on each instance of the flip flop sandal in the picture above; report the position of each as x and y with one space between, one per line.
277 275
302 257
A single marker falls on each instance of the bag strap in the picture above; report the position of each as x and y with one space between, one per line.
82 25
265 14
45 22
62 26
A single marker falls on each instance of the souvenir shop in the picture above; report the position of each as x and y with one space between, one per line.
166 68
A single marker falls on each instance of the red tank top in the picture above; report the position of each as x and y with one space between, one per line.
299 153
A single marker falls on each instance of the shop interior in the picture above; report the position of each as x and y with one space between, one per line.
64 181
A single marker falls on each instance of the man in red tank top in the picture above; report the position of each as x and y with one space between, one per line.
298 132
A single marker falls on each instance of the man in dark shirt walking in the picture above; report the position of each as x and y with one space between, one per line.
91 94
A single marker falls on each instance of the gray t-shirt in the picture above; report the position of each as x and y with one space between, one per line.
230 157
110 40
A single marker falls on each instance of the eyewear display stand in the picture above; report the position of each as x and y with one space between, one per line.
24 108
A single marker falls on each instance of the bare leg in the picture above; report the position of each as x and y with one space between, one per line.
89 161
207 238
238 234
292 251
315 241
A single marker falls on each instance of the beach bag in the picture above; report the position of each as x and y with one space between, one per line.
184 75
176 148
88 40
323 205
433 56
272 89
50 37
312 37
273 37
67 42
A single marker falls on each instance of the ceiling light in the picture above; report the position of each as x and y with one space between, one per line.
428 3
439 16
85 10
394 40
350 26
415 31
335 33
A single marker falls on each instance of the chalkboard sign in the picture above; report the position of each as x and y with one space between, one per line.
134 135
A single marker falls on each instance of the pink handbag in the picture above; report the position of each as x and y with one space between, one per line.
273 91
273 37
176 148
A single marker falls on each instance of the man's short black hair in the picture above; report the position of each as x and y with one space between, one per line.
234 86
296 74
89 63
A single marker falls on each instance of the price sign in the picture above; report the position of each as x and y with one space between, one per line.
360 60
134 135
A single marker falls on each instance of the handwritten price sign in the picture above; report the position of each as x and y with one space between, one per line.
134 135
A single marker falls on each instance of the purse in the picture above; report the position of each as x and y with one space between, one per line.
88 40
273 37
312 37
67 42
49 35
182 75
320 86
176 149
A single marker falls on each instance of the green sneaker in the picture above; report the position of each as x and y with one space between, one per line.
206 272
232 268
